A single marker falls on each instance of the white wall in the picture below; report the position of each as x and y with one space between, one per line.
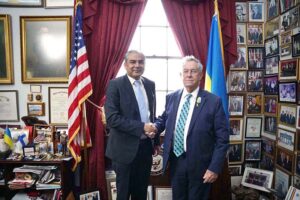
24 89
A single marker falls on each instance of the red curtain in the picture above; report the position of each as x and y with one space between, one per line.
109 26
190 21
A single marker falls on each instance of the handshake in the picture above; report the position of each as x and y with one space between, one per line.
150 130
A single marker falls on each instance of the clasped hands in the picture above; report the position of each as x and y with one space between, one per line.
150 130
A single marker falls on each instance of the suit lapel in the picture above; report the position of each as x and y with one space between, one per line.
128 88
177 97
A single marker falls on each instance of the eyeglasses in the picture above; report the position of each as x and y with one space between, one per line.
191 71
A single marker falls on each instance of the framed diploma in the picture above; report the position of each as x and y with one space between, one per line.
9 106
58 105
162 193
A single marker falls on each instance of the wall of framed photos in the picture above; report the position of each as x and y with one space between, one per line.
264 92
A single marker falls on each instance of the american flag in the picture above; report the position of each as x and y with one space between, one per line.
80 88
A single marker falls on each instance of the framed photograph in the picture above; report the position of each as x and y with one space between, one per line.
28 151
252 150
58 105
297 146
111 184
272 64
296 182
257 179
256 11
282 182
237 81
271 103
241 62
270 127
272 9
285 160
235 153
36 109
235 170
162 193
287 117
272 27
253 127
45 48
236 129
241 33
59 3
241 11
255 81
251 164
271 85
256 58
287 92
31 3
9 106
296 45
236 105
254 103
286 51
267 162
286 38
255 34
90 195
286 139
297 166
298 118
285 5
288 69
289 19
268 146
6 64
271 46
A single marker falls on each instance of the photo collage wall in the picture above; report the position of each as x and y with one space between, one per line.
264 91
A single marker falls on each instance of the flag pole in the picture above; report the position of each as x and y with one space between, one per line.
85 153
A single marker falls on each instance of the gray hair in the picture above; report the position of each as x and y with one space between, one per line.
132 51
192 58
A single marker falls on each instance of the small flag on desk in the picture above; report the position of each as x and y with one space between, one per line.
8 138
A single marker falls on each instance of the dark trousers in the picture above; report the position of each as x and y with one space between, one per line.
185 186
133 178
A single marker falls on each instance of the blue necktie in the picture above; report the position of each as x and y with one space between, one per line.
141 100
178 147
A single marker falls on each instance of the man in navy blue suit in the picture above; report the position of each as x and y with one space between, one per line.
205 137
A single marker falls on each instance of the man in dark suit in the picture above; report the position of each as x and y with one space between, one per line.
129 108
196 135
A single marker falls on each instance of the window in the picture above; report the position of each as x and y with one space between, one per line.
155 39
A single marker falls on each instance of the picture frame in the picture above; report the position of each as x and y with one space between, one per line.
271 85
256 58
236 129
298 118
254 103
111 185
286 51
285 5
241 11
268 146
162 193
297 146
235 170
35 88
272 9
287 116
36 109
252 150
270 127
93 194
59 3
257 179
241 62
286 38
282 182
251 164
271 105
290 19
285 160
288 92
272 65
296 45
255 34
58 105
48 39
298 92
237 81
256 11
6 64
267 162
29 151
253 127
296 182
297 164
20 3
286 139
272 28
293 193
255 81
9 106
235 153
271 46
236 105
288 69
241 33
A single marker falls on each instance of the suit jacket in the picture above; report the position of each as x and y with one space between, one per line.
123 118
208 134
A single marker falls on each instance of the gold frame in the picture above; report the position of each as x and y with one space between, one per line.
8 79
36 113
18 3
40 65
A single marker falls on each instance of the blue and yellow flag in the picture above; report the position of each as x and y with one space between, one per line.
8 139
215 81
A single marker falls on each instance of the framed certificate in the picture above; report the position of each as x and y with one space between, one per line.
58 105
9 106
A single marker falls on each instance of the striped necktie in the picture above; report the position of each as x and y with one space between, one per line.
178 147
